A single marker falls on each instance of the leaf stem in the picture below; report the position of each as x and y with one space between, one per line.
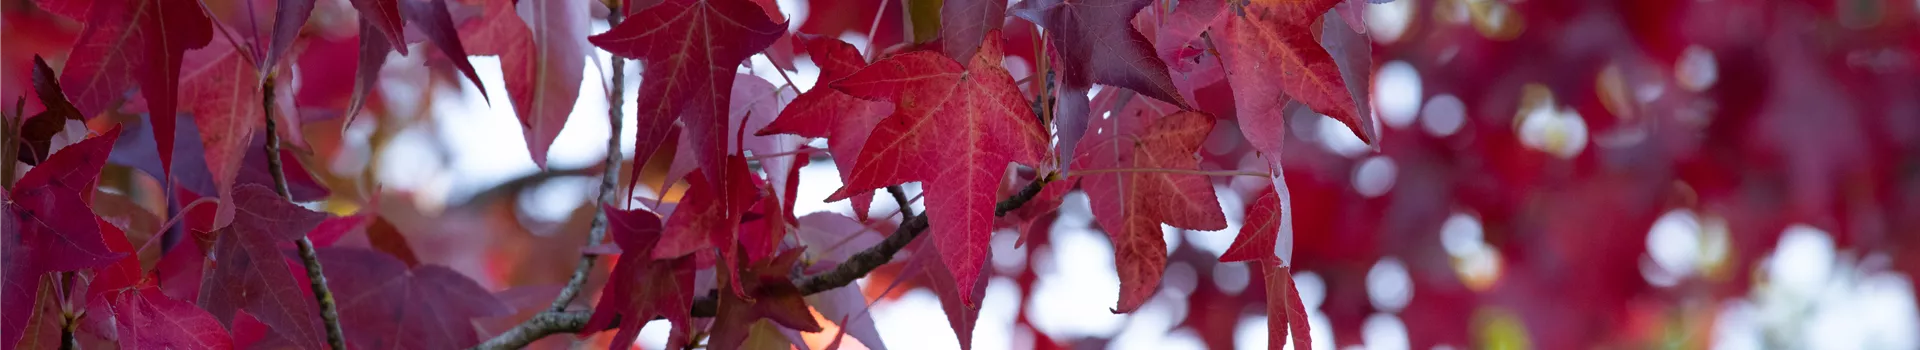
317 279
856 266
1085 172
609 180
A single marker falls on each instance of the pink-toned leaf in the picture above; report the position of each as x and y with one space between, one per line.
1284 309
46 225
1257 237
224 96
542 49
771 295
384 17
288 18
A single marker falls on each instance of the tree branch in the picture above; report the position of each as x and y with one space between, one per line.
609 181
855 267
329 311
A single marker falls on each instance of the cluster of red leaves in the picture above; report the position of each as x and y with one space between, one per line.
941 110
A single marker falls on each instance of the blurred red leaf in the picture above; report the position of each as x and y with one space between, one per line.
249 271
385 304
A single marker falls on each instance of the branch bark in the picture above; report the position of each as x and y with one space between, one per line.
609 181
855 267
329 310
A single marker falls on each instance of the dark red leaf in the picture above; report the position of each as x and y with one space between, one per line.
770 295
384 17
384 304
136 41
1275 41
542 62
1261 231
432 19
691 49
823 112
1096 43
641 287
955 129
288 18
46 225
249 271
964 25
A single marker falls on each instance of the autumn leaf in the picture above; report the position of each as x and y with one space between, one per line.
690 49
1284 309
432 19
845 121
148 319
384 304
288 17
382 18
1096 43
1130 206
1261 231
961 314
1274 40
964 25
249 271
135 41
542 57
955 128
640 286
704 219
373 55
224 95
770 295
47 226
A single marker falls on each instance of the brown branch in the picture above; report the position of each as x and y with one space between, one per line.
609 181
855 267
329 310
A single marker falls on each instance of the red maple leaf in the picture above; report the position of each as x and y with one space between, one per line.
1274 40
955 128
640 286
691 49
1130 206
541 62
249 272
129 41
48 225
770 295
961 314
845 121
1096 43
386 305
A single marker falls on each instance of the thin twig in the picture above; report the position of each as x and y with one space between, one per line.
609 182
1085 172
900 196
329 311
855 267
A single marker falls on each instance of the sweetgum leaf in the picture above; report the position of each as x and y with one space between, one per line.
383 18
373 55
223 92
384 304
955 128
1130 206
845 121
46 226
135 41
288 18
249 271
1284 309
770 295
964 24
640 286
691 49
1261 231
432 19
542 58
149 319
1097 43
1274 40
